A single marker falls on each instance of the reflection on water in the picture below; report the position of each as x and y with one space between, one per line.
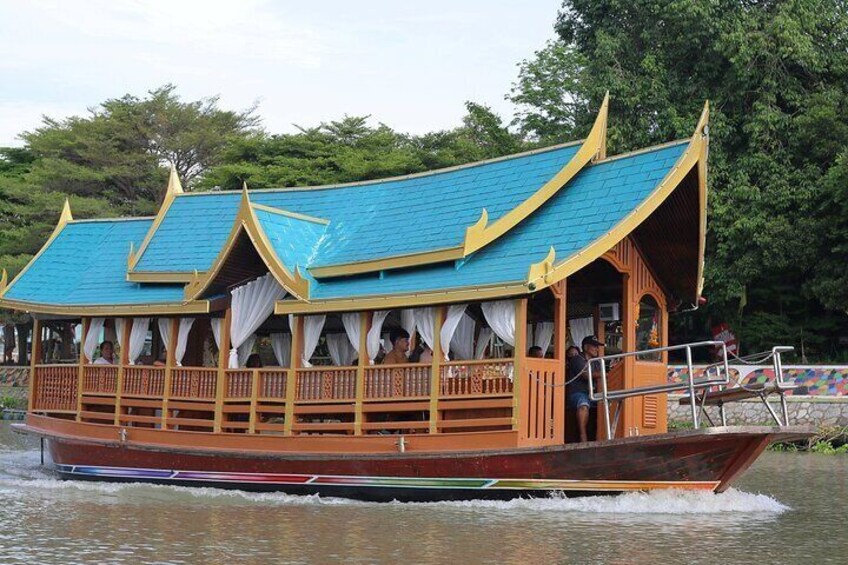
789 508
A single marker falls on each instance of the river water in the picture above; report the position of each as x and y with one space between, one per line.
789 508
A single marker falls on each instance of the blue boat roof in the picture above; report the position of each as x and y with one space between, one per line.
589 206
367 221
86 264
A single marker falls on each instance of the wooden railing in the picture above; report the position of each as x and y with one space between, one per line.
238 384
543 401
411 380
325 383
472 395
490 377
272 383
100 379
143 381
195 383
55 388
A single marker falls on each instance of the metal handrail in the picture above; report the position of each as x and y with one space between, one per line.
606 396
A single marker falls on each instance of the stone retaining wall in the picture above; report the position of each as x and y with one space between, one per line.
814 410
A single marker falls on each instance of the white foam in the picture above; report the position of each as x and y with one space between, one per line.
655 502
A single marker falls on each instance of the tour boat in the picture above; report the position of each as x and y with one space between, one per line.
477 263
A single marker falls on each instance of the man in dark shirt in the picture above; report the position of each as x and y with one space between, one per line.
577 390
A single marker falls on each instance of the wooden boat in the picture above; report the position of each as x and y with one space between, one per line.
534 249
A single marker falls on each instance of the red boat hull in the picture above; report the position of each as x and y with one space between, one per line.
696 459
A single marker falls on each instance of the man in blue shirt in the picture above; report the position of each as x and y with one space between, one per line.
577 390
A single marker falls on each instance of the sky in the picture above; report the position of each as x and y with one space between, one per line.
410 65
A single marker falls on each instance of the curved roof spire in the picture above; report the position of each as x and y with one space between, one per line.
246 221
594 148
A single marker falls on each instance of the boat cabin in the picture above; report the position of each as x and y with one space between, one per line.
257 314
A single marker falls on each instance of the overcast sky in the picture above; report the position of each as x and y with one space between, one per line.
411 65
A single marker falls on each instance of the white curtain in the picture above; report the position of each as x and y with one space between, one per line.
138 335
452 318
352 326
245 349
281 344
373 338
408 320
425 322
580 328
483 341
462 344
500 315
216 330
182 336
312 326
251 304
92 338
341 351
386 342
543 335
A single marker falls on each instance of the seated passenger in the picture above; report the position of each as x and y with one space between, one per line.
107 354
571 352
426 355
536 352
400 345
254 361
577 390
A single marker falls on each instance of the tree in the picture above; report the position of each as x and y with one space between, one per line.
122 150
776 73
350 150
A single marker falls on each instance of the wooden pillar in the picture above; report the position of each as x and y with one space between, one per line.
35 356
560 320
365 321
123 361
254 400
291 378
519 355
223 364
170 362
560 346
86 323
436 369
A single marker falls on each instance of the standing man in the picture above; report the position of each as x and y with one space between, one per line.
578 387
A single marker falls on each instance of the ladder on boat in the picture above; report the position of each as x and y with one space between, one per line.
712 388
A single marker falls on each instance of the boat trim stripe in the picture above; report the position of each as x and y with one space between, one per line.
377 482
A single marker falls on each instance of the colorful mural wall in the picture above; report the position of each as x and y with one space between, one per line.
809 380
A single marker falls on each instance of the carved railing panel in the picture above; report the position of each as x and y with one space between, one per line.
239 383
100 379
272 383
477 378
397 381
140 380
326 383
55 387
194 383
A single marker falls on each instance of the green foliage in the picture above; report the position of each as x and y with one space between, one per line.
350 150
776 74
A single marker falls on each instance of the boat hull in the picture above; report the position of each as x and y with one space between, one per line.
696 459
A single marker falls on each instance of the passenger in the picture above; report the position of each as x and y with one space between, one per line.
426 355
160 361
254 361
400 345
571 352
578 383
107 354
536 352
